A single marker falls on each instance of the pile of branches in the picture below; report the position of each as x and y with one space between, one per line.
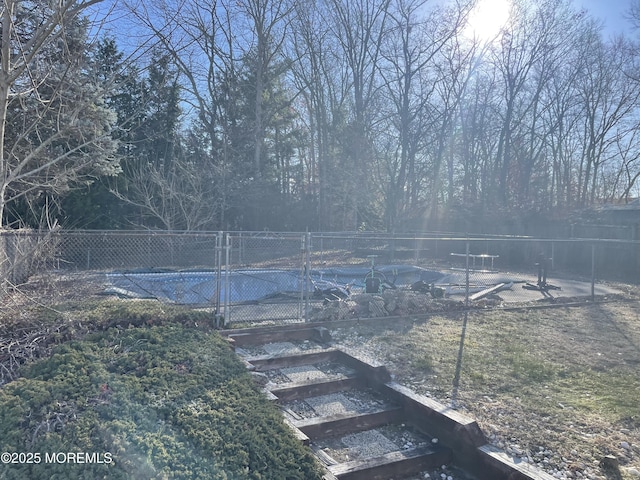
21 345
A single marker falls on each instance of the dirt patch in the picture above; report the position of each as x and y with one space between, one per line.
556 387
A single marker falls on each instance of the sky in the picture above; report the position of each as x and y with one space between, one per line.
489 16
485 24
610 11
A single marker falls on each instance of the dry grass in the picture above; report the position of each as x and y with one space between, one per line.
563 380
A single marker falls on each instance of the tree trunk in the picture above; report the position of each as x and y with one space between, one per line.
5 56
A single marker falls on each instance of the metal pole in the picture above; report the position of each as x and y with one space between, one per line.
593 272
218 286
463 334
392 246
307 286
302 277
226 319
456 376
466 292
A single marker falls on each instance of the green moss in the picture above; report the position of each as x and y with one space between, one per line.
165 401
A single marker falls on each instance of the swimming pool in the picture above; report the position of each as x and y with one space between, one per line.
253 285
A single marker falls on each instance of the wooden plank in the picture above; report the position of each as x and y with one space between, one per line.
270 362
301 436
325 458
292 414
264 335
502 465
487 291
373 371
423 407
316 388
391 465
342 424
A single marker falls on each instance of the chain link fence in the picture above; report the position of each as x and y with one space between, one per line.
245 278
265 277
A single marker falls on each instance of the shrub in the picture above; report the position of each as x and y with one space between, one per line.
163 401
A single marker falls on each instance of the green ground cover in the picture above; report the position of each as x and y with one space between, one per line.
144 401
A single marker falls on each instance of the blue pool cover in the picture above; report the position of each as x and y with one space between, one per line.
253 285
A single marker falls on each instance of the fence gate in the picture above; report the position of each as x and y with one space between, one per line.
265 278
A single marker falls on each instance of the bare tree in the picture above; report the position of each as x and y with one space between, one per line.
633 13
564 110
628 171
54 129
563 29
359 27
321 77
176 197
230 57
609 98
268 21
522 45
421 69
198 37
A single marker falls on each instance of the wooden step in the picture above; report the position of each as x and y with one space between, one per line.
392 465
342 424
270 362
290 391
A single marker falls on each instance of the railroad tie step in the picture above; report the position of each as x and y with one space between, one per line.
290 392
270 362
341 424
393 464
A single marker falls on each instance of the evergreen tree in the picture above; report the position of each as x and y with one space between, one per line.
55 128
94 206
271 191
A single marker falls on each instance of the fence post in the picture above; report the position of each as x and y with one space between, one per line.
218 267
463 334
227 284
307 278
303 276
593 272
392 246
148 249
466 283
